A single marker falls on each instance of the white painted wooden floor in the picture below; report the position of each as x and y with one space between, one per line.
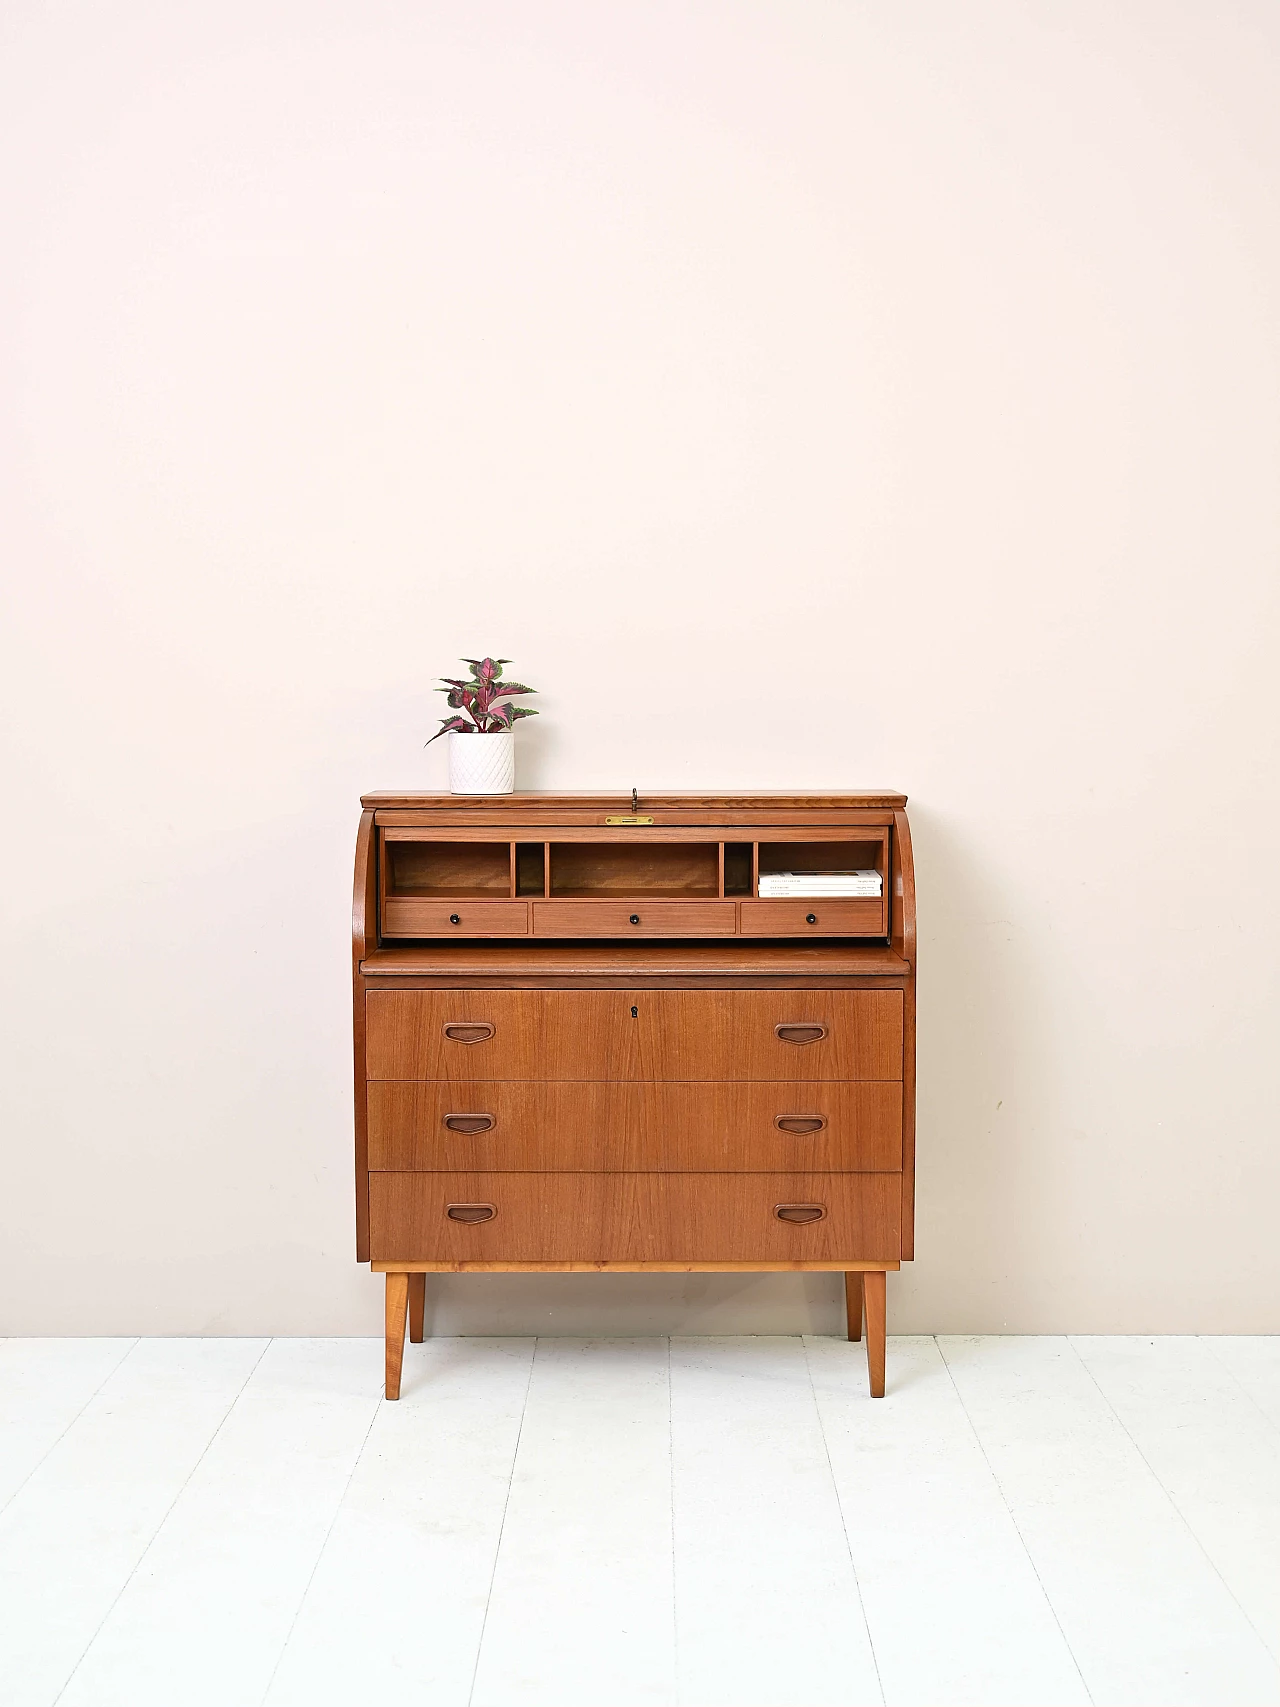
717 1522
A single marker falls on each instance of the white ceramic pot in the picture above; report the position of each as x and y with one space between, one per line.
482 764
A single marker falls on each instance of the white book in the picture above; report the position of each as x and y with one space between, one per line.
819 894
816 883
779 884
828 888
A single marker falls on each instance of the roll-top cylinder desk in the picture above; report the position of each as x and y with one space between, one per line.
584 1040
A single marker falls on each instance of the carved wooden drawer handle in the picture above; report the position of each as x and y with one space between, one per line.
468 1032
800 1123
470 1123
800 1033
799 1213
470 1213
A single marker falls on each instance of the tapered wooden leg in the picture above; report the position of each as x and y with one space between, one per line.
397 1299
873 1288
853 1304
417 1306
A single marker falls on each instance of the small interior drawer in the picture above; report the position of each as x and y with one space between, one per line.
865 916
454 918
634 918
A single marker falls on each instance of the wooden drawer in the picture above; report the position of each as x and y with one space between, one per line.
644 1217
594 1127
455 918
865 916
634 918
804 1036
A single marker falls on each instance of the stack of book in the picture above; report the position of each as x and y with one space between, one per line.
776 885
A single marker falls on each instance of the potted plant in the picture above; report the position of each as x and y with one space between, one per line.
482 741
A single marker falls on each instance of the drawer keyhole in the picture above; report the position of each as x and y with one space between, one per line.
635 918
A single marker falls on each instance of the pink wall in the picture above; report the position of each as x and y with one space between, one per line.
884 394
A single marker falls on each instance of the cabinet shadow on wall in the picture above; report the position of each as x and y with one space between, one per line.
569 1305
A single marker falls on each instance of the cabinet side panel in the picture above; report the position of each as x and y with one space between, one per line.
364 914
903 938
909 1122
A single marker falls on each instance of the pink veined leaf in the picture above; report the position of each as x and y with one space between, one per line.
448 725
486 669
521 711
504 690
501 716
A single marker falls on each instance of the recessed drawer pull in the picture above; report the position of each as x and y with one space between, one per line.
800 1033
799 1213
470 1213
800 1123
478 1031
470 1123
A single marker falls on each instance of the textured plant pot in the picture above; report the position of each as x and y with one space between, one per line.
482 764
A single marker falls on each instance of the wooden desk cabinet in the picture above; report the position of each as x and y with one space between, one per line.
583 1041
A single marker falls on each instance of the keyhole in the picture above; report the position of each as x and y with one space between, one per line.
635 1013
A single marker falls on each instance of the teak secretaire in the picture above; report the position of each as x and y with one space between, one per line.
583 1041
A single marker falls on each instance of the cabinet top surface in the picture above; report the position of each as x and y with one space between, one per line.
620 801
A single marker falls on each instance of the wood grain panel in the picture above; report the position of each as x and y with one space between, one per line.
609 1128
656 1035
638 917
832 1265
543 962
634 1217
733 1034
538 1034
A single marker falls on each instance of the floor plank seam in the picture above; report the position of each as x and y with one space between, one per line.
844 1525
502 1524
137 1563
1173 1504
1017 1527
1208 1340
128 1352
311 1576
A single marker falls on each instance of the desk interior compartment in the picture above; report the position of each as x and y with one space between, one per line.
816 911
456 871
868 853
607 870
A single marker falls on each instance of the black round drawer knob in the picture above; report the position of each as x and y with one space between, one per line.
811 918
454 919
635 918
